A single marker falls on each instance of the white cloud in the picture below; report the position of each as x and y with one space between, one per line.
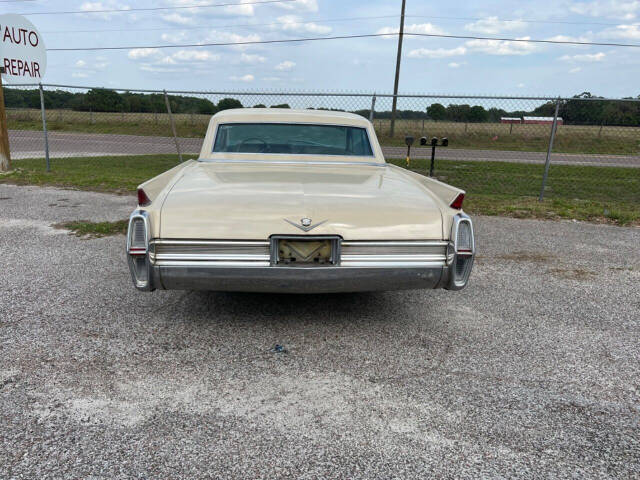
502 47
177 19
91 68
194 56
437 52
622 9
427 28
161 69
97 6
575 70
294 23
586 57
244 9
299 5
138 53
568 38
456 64
629 32
173 37
226 37
252 58
493 25
285 66
245 78
520 85
182 61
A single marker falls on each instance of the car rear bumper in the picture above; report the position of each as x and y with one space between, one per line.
296 279
255 265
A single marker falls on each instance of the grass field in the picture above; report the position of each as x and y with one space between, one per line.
85 228
603 194
489 136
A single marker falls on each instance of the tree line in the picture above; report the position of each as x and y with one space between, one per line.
583 109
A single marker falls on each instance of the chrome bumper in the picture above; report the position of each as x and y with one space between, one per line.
248 266
295 279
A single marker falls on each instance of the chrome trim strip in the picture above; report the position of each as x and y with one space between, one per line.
398 243
293 162
212 263
251 243
391 264
395 258
343 266
241 257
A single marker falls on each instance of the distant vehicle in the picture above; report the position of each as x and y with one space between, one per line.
297 201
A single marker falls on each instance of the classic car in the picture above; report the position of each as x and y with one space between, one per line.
298 201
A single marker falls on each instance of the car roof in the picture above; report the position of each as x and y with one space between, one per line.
249 115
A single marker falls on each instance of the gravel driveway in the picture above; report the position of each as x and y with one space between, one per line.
532 371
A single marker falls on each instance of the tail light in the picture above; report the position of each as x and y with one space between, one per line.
457 202
461 252
143 199
137 245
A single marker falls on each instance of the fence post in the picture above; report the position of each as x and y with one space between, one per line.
373 107
547 163
44 128
5 151
173 125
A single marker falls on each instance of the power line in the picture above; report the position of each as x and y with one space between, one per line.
149 9
327 20
343 37
523 20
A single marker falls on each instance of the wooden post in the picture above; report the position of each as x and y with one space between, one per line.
5 154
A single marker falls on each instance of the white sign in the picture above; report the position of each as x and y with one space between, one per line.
22 51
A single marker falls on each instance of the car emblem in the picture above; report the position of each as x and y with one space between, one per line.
306 224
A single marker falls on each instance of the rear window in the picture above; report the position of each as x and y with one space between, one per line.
301 139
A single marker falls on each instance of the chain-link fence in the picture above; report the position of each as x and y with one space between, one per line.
585 149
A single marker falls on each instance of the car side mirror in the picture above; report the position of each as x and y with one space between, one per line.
445 142
408 141
434 141
423 141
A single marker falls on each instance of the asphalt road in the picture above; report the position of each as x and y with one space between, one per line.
30 144
533 371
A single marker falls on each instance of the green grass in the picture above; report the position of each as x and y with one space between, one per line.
84 228
118 174
601 194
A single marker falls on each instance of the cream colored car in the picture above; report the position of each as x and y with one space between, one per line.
298 201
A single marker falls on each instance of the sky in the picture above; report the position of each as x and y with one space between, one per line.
429 65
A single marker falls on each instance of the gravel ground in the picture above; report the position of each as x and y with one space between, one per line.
532 371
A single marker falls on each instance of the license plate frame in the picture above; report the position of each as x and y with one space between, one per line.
280 258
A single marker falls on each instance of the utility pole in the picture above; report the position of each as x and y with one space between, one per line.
5 155
395 83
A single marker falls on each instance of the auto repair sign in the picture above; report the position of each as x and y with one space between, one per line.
22 51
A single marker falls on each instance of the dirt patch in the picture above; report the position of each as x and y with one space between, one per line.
533 257
572 273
